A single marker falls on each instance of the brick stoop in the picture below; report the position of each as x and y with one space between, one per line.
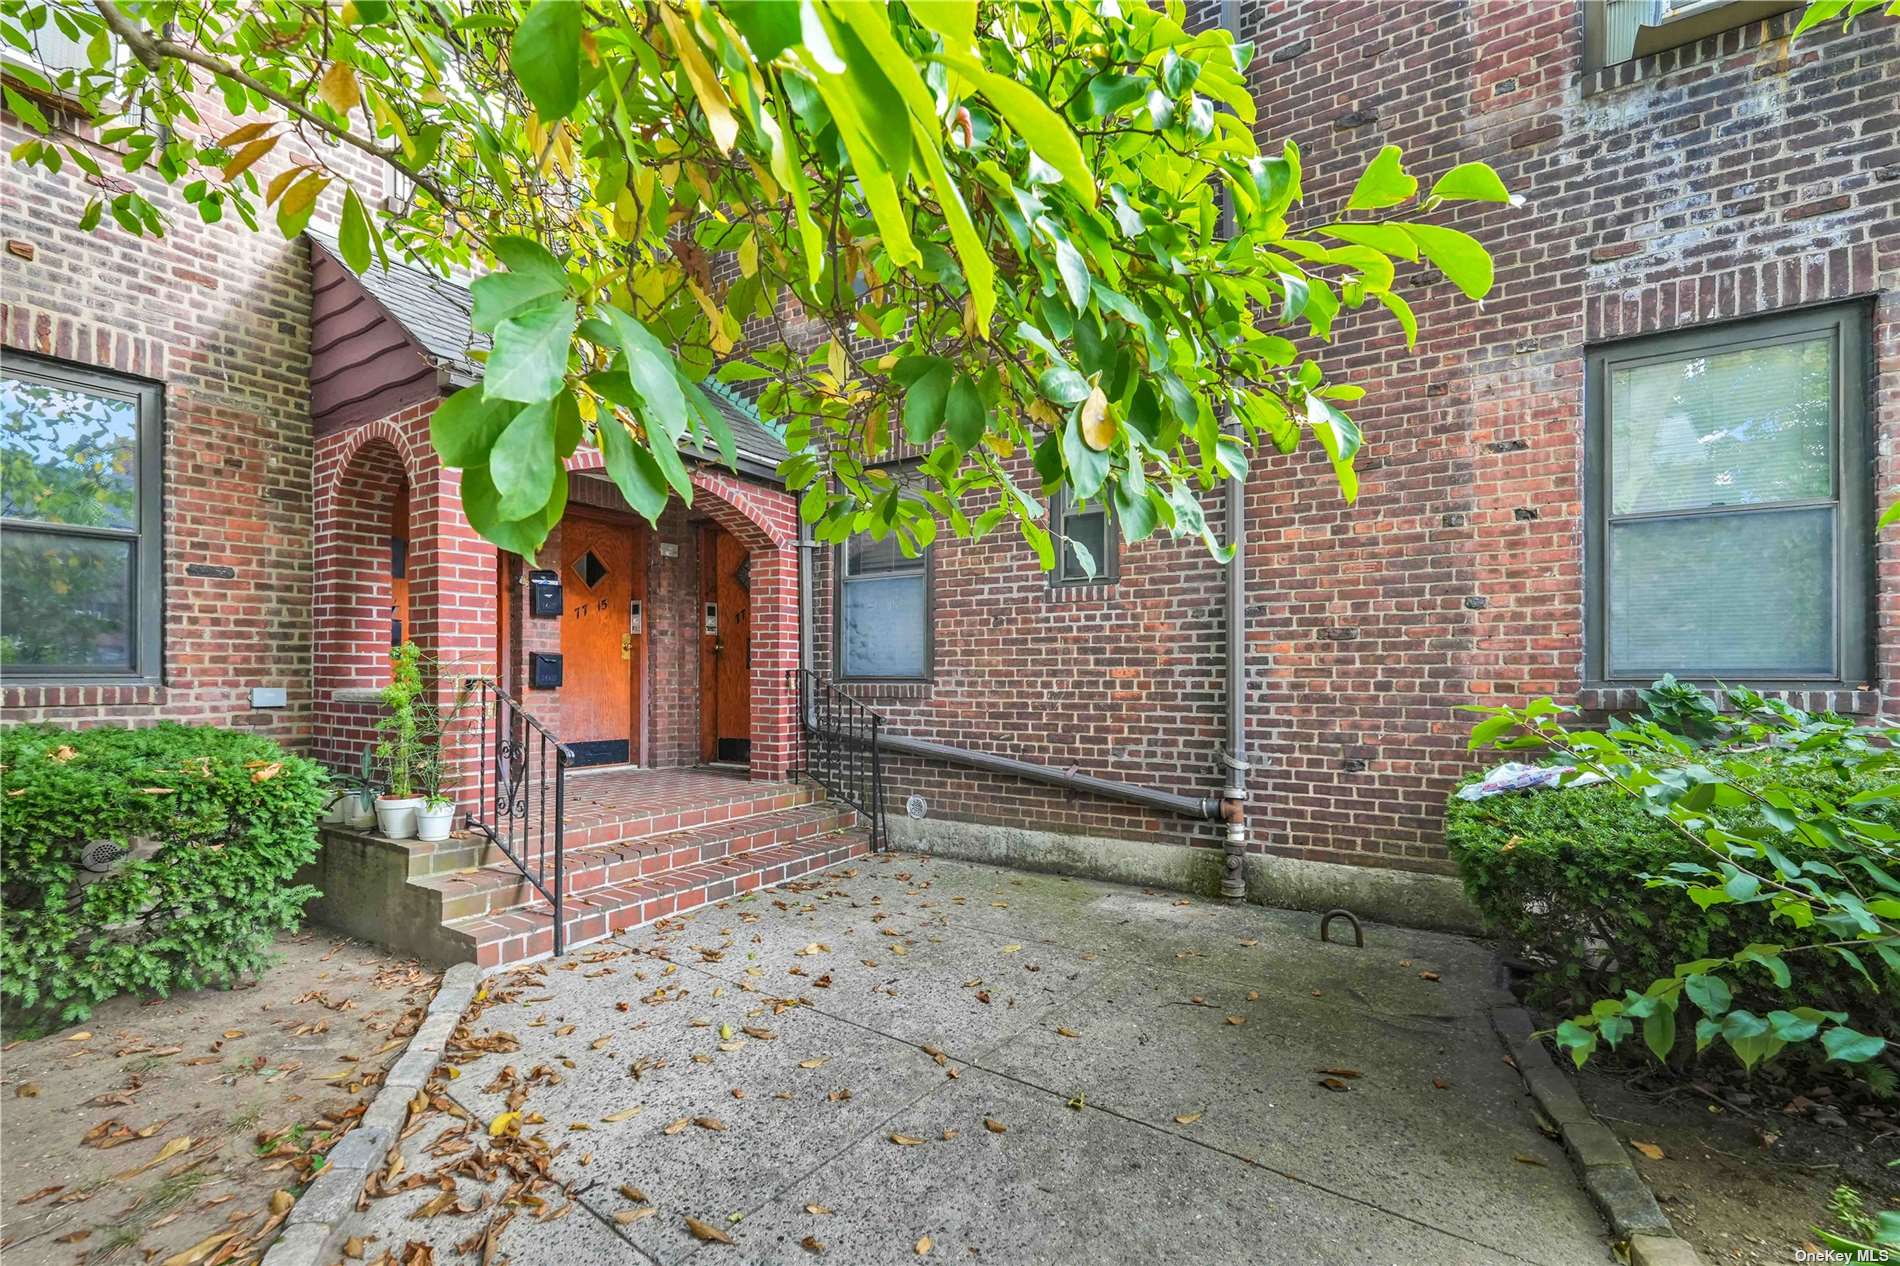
639 845
527 931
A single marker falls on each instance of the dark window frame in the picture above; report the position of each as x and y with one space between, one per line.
147 539
840 577
1108 568
1850 326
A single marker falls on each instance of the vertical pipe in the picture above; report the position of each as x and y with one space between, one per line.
1233 809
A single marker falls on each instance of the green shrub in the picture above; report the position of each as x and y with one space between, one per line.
217 824
1560 875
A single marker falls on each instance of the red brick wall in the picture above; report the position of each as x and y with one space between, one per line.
220 315
1734 178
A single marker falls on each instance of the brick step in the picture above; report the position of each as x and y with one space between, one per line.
527 932
498 886
603 811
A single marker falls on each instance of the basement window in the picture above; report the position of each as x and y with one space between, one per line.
1622 30
884 629
1730 481
1086 537
80 550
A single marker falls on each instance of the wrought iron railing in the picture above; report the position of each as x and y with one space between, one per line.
841 751
522 798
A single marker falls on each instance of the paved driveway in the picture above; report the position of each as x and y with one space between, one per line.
924 1060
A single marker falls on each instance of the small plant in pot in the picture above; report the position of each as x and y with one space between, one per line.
357 808
437 814
401 747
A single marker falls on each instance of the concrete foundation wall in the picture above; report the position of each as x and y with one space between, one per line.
1408 898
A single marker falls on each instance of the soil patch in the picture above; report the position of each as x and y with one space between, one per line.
184 1126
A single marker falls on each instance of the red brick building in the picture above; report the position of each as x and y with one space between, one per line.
1707 265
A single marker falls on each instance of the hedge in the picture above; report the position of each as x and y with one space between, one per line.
217 824
1558 875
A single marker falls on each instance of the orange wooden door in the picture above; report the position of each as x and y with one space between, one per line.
726 657
600 646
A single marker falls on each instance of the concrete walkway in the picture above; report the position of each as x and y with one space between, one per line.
1155 1066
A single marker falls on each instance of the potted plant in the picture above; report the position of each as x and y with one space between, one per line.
401 744
437 814
436 817
358 807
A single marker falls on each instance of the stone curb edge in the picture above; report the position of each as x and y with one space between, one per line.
312 1234
1608 1173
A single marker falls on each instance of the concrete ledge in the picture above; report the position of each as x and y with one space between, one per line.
1608 1173
1403 897
363 882
313 1233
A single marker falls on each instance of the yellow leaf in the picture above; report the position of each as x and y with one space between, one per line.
248 132
676 1126
280 1201
627 1217
199 1251
812 1063
280 182
506 1123
706 86
1187 1118
923 1246
994 1126
302 194
1098 429
905 1140
337 89
701 1230
1648 1149
1067 1033
818 1209
82 1036
625 1114
242 160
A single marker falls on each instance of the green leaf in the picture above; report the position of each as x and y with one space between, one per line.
525 255
1063 385
1075 273
522 462
633 471
965 418
545 56
1385 183
1088 469
529 362
1790 1027
1709 993
499 296
769 26
1459 256
353 235
1471 182
1135 512
1888 517
1851 1047
924 403
1033 120
1659 1031
651 370
467 424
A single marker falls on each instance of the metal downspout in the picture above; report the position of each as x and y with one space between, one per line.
1233 804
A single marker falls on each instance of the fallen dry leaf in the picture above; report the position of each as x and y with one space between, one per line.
26 1090
676 1126
1648 1149
1428 975
710 1123
994 1126
505 1123
627 1217
625 1114
354 1248
818 1209
1530 1160
1067 1033
705 1231
812 1244
905 1140
1188 1118
198 1252
1334 1083
922 1246
1236 1019
1338 1072
81 1036
813 1063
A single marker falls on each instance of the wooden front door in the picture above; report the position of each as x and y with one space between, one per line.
725 661
603 639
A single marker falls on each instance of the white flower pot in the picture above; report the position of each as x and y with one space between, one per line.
359 811
434 819
337 811
397 818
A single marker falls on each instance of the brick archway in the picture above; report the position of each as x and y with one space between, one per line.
765 520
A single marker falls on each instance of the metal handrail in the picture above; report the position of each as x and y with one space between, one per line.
519 824
843 748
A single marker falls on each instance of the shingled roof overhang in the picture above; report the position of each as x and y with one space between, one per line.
392 337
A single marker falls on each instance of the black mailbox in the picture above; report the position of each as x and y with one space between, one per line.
544 671
544 595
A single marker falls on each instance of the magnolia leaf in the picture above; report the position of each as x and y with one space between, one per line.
338 89
545 56
1098 428
1471 182
1458 255
529 362
1385 183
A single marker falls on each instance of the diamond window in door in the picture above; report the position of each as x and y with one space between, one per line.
589 569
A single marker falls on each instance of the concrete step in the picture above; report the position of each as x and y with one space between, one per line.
498 886
527 930
601 810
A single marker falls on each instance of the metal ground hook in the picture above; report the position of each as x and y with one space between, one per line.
1358 935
